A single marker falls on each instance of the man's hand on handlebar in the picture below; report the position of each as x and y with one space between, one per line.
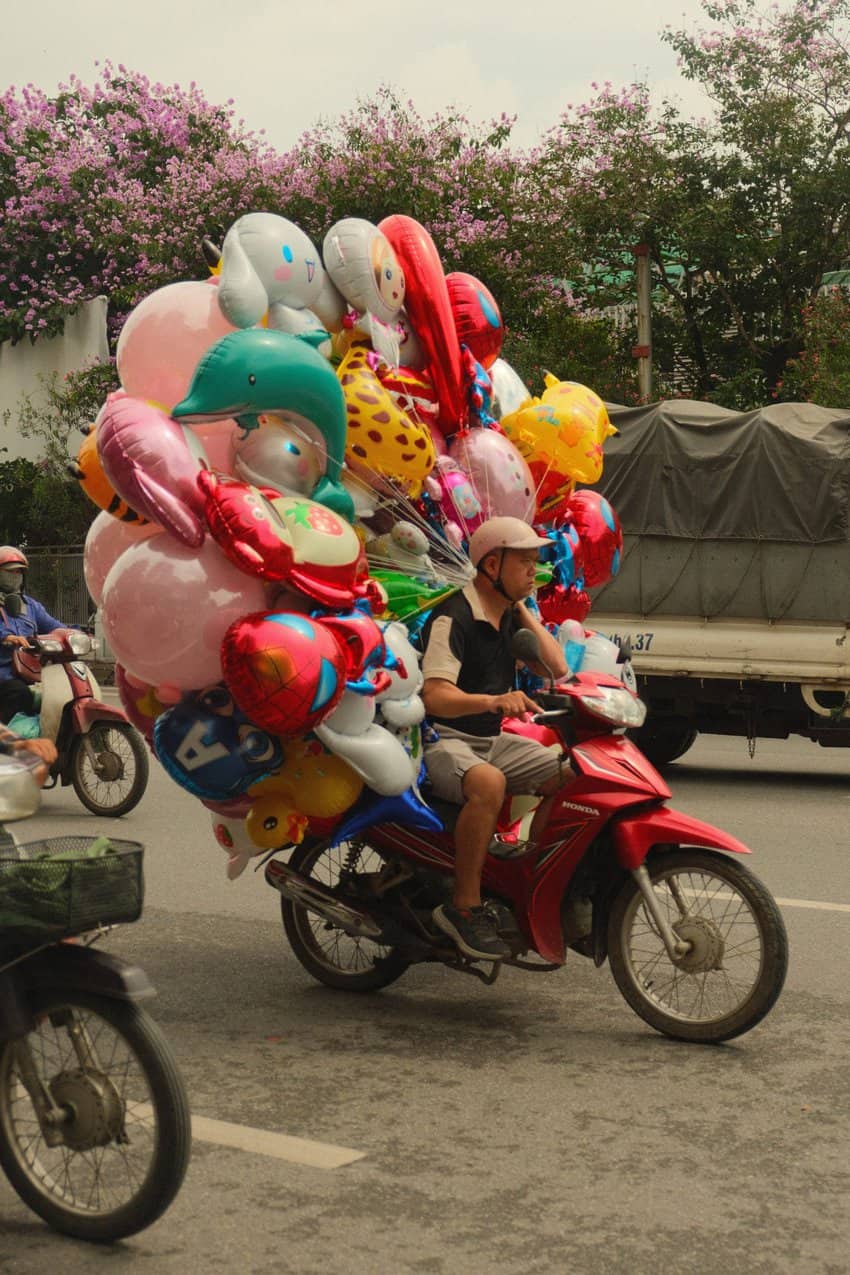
514 704
15 639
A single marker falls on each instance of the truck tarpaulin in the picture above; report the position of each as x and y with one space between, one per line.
730 513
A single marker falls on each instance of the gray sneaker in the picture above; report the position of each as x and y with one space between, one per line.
472 930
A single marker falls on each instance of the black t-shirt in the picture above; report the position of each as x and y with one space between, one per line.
461 646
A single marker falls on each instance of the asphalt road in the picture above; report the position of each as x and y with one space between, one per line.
535 1126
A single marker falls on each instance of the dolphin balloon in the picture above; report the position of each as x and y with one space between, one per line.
255 371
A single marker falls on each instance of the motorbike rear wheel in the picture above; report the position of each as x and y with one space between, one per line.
735 970
124 1146
337 959
114 780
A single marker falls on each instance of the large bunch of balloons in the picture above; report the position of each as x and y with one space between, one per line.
302 445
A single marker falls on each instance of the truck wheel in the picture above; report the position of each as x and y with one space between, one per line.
664 739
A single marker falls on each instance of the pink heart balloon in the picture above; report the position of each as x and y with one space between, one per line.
148 459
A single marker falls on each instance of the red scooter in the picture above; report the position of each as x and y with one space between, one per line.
100 752
696 943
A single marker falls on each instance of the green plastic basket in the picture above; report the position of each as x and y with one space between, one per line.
62 886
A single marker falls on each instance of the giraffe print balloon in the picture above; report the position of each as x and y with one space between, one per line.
382 439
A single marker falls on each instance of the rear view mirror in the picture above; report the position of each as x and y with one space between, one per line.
525 646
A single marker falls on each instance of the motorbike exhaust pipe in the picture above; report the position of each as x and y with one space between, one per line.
320 899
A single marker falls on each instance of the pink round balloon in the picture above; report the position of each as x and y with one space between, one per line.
166 608
500 476
164 338
106 540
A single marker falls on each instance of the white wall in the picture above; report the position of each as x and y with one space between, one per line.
23 365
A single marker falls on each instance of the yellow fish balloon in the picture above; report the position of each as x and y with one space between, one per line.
560 437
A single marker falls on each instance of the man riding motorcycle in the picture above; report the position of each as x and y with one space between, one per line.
469 687
21 618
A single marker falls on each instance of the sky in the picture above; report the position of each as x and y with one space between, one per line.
286 65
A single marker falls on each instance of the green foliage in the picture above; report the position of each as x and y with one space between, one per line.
586 350
821 374
39 507
41 504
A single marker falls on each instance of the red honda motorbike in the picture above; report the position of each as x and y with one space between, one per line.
696 943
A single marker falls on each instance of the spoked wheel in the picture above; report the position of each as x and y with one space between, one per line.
109 768
333 957
115 1157
735 968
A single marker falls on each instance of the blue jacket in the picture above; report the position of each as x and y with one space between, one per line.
34 620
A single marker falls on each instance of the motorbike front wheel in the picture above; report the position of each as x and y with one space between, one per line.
732 974
116 1158
333 957
109 768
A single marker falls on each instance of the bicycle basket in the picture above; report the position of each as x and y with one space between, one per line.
62 886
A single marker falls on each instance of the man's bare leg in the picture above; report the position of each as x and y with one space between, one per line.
484 790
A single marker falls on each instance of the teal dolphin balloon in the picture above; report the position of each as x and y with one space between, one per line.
257 370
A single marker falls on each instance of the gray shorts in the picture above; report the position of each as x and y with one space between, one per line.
526 764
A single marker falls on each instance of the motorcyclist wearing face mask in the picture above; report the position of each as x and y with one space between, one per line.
21 618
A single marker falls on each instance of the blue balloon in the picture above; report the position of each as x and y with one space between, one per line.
408 809
210 748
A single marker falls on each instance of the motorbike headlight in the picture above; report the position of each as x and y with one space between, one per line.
81 643
615 704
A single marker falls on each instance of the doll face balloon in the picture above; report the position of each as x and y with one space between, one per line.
364 267
285 451
500 476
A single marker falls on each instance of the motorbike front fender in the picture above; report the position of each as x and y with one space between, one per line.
635 836
69 967
88 712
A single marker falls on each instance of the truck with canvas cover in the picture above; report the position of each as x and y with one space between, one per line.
734 588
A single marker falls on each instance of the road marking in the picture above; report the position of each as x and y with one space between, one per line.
818 904
317 1155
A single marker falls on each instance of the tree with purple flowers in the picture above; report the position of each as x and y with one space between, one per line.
111 188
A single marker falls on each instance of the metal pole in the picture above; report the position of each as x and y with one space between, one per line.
643 350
